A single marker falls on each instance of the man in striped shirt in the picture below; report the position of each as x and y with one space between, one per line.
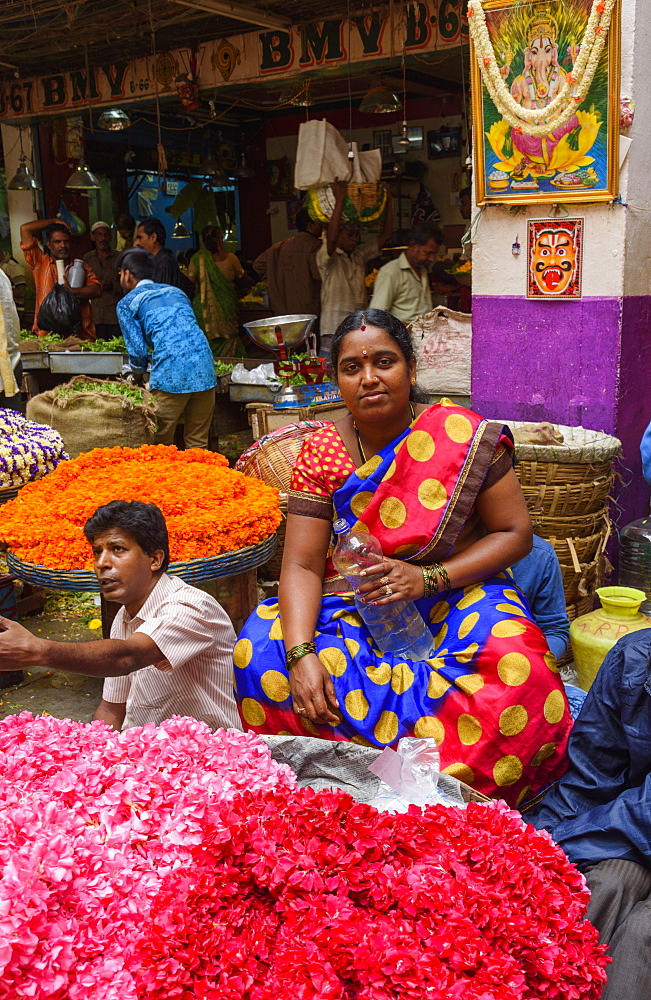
171 646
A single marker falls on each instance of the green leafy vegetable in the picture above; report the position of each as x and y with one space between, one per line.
221 368
125 389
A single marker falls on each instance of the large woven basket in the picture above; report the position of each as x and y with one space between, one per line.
192 570
539 473
583 583
272 460
581 550
581 607
569 527
568 500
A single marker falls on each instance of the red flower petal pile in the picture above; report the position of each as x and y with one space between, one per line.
173 863
316 896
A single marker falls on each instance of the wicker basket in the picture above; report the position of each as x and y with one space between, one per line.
581 607
570 527
364 196
578 585
568 500
272 460
582 550
8 493
560 473
192 570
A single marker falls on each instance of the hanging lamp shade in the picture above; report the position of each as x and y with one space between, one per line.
212 168
380 101
83 179
179 232
23 179
244 171
113 120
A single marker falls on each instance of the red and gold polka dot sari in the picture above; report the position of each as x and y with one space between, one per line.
491 696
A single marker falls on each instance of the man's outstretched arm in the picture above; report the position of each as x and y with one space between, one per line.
19 649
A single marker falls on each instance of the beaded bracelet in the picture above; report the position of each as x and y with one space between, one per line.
297 652
443 573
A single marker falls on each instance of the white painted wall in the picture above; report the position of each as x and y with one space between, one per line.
636 176
617 240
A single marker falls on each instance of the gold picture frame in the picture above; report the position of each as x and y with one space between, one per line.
581 164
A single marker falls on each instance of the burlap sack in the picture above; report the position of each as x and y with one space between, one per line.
442 341
95 419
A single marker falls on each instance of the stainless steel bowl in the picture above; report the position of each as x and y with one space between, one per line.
295 329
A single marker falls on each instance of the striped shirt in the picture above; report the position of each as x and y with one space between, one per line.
194 633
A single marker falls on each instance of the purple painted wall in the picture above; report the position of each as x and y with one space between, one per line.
584 362
634 403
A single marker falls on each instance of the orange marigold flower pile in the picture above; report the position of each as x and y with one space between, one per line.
209 508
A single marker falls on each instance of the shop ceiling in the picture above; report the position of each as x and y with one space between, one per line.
55 36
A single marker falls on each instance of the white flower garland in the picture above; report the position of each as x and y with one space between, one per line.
27 450
542 121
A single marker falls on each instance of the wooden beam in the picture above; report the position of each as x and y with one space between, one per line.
238 12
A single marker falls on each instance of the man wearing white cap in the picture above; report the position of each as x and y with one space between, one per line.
102 260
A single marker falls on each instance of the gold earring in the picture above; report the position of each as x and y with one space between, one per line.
413 380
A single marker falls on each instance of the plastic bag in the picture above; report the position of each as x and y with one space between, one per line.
411 777
262 375
59 312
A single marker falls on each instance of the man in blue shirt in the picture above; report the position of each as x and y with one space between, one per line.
600 811
159 318
539 577
645 451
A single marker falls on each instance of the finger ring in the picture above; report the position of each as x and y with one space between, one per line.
388 591
384 580
301 711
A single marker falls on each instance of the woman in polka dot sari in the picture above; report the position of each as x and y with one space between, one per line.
434 484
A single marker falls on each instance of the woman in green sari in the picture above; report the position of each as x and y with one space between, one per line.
214 273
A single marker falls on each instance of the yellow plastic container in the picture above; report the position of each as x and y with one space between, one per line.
593 635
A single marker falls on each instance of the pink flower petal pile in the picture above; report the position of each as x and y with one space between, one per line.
179 864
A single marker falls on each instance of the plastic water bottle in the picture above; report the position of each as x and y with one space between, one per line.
76 274
396 628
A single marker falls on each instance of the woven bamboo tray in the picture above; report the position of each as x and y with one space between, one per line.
560 473
192 571
570 500
8 493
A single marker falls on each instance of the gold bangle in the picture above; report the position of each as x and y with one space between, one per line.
431 581
443 573
297 652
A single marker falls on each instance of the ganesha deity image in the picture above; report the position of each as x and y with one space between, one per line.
532 54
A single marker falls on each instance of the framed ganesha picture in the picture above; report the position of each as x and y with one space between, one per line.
545 95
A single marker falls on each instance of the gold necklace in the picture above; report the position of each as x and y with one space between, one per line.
359 440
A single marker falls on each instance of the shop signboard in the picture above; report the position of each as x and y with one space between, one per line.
531 54
369 37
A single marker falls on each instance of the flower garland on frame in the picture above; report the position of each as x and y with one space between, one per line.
540 122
